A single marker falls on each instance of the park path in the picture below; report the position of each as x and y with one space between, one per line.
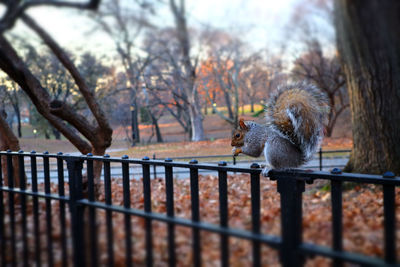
135 170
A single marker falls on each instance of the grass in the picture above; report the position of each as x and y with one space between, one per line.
246 108
41 145
178 149
27 132
337 154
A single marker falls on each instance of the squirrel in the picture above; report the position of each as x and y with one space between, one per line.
293 131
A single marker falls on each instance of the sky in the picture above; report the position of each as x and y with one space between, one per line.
261 23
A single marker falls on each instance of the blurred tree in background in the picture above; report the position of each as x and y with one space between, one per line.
368 36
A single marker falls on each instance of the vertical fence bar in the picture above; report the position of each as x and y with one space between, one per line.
337 217
127 205
108 201
291 191
35 209
46 170
320 159
2 237
92 212
223 213
147 208
389 221
61 192
10 175
77 223
154 167
169 190
255 213
22 184
194 194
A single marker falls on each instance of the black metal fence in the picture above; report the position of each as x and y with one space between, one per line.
319 155
291 185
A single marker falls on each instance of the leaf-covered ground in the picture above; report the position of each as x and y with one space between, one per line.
363 217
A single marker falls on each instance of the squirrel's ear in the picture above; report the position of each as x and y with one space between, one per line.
242 125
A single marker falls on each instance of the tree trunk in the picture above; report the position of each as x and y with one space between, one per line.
196 117
328 131
134 123
228 102
8 141
134 117
18 113
56 134
368 35
197 122
158 132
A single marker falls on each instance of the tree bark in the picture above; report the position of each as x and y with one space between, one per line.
8 141
368 36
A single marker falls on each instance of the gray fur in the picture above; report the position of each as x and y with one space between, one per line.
280 153
257 134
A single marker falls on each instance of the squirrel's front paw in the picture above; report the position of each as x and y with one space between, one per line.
236 151
265 171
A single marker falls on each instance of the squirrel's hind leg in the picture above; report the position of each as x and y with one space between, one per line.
280 153
267 166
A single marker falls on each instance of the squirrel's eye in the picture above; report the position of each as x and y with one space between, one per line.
237 135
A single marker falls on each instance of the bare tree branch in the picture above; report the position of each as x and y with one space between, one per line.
87 93
15 9
17 70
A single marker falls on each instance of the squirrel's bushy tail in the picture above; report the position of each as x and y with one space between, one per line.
297 111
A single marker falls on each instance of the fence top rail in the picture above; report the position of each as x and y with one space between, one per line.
221 166
387 178
45 153
336 174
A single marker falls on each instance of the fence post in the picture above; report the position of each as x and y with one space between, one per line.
255 213
291 191
389 221
154 167
77 223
